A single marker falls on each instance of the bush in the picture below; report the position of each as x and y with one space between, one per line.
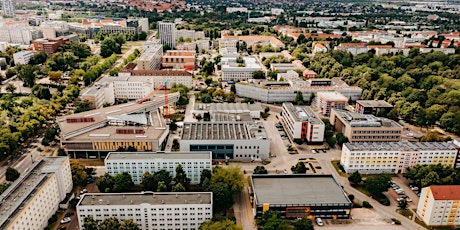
366 204
396 221
52 219
385 201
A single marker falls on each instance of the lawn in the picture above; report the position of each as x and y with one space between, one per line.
407 213
336 164
90 162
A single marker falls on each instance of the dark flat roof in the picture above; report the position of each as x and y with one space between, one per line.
297 189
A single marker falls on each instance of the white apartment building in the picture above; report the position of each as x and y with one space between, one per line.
35 196
8 8
137 163
301 122
244 141
237 9
326 101
231 70
151 58
22 57
167 33
19 35
190 34
228 42
168 210
395 157
438 205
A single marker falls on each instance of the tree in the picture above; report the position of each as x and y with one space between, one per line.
27 74
162 187
109 46
109 224
223 224
402 204
41 92
10 88
258 74
148 182
143 35
299 168
331 141
303 224
233 88
432 178
105 183
38 58
271 220
55 76
205 177
90 223
129 224
164 176
82 106
178 188
221 196
232 177
376 184
122 182
341 139
12 174
181 177
299 98
260 170
78 174
355 178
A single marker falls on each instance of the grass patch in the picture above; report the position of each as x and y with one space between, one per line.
420 222
336 164
90 162
407 213
362 189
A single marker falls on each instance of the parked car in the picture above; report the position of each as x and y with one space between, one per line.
285 171
319 222
400 192
65 220
69 214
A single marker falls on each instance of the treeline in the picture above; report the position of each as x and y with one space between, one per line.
95 71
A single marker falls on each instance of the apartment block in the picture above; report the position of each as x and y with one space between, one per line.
34 197
151 58
302 123
439 205
373 107
22 57
179 60
167 33
150 210
365 127
395 157
137 163
19 35
330 100
232 70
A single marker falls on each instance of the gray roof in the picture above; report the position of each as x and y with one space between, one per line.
142 198
297 189
223 131
364 120
156 155
374 103
303 113
400 146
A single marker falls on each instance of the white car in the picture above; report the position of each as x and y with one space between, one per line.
65 220
285 171
319 222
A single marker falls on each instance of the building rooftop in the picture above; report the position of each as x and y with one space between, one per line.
146 198
229 63
229 107
303 113
400 146
364 120
374 103
18 194
445 192
223 131
332 96
157 155
150 53
297 189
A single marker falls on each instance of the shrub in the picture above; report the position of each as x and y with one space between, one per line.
366 204
52 219
396 221
385 201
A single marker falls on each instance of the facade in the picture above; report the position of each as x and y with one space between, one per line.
231 70
167 33
34 197
363 127
22 35
22 57
438 205
395 157
228 43
51 45
137 163
309 74
229 111
8 8
373 107
151 58
95 133
179 59
279 92
302 123
245 141
296 196
330 100
168 210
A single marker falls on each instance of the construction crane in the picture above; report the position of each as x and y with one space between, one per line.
163 86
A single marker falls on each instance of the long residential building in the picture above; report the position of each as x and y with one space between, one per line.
95 133
150 210
137 163
179 59
245 141
282 91
19 35
395 157
365 127
301 123
439 205
35 196
151 58
232 70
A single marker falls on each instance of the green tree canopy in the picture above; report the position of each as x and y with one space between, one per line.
105 183
223 224
123 182
376 184
12 174
260 170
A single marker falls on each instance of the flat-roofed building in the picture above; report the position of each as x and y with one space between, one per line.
296 196
35 196
330 100
95 133
23 57
283 67
232 70
302 123
150 210
151 58
395 157
167 33
365 127
137 163
230 111
373 107
179 59
438 205
227 140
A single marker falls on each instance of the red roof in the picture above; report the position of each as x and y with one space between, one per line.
445 192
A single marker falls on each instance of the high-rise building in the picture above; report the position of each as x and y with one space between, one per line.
167 33
8 8
438 205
